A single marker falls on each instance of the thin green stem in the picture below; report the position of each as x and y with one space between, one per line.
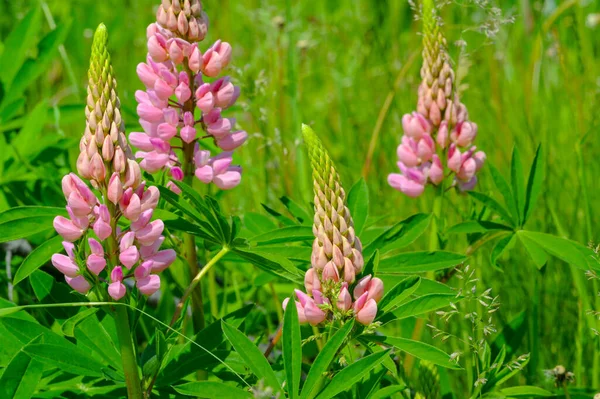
196 281
132 376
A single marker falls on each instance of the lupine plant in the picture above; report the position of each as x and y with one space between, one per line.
321 295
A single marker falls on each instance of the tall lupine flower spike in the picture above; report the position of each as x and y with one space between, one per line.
180 107
112 253
439 132
336 258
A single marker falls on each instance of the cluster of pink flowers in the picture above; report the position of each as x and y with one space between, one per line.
420 163
367 293
178 104
138 246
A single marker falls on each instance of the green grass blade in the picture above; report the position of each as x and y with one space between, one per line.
292 349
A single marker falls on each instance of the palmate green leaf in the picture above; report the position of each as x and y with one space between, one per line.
286 221
257 223
189 358
37 258
271 263
212 390
421 305
506 192
400 235
26 221
419 262
477 226
493 205
399 293
534 183
569 251
31 131
501 246
353 373
31 70
417 349
68 327
284 234
42 284
517 180
372 265
537 253
292 350
525 392
16 45
90 333
252 356
21 377
324 359
358 204
70 359
387 392
297 211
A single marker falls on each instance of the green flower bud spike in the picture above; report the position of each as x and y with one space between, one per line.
437 98
103 147
337 252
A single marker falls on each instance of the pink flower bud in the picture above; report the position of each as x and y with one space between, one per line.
407 152
143 220
479 158
221 127
195 60
175 52
67 229
349 271
141 141
409 187
96 247
96 263
115 189
132 209
162 259
436 170
330 272
79 206
228 180
454 158
151 250
152 161
97 168
469 185
415 125
102 229
442 135
314 314
148 285
149 112
188 134
224 92
108 149
79 284
204 174
299 309
467 169
311 280
146 74
425 148
176 173
150 198
83 165
150 233
232 141
365 310
69 249
156 50
183 92
65 265
205 100
344 301
165 131
117 290
129 257
133 174
464 133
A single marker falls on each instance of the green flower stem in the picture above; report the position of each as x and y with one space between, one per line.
124 333
132 376
196 281
434 244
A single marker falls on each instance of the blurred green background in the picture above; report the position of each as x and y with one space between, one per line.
529 71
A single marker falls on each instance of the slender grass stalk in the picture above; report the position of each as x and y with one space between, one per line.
196 281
